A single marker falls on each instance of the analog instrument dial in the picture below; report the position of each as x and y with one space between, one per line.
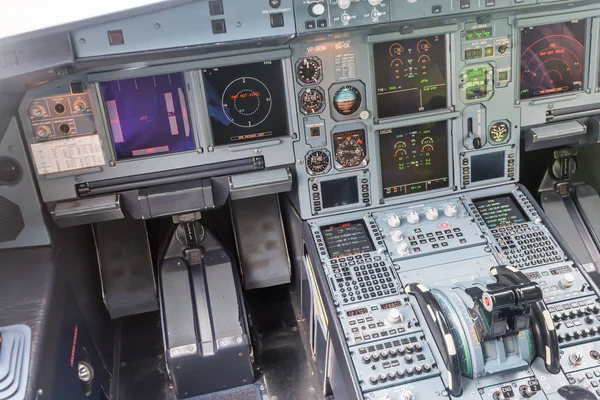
43 131
37 111
312 100
499 132
347 100
318 162
309 70
349 147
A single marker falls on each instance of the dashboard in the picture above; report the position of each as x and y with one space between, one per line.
367 106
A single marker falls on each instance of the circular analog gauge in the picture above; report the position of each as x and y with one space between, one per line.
312 101
246 102
318 162
43 131
309 70
499 132
349 148
37 111
347 100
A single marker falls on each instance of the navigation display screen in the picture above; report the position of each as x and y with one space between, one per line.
552 58
414 158
410 76
500 211
246 102
347 239
148 115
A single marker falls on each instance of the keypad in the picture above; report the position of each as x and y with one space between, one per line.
526 246
576 321
362 277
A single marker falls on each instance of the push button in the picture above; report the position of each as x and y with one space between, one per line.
274 3
216 7
436 9
464 4
310 24
277 20
219 26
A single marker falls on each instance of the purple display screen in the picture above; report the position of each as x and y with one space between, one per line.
148 115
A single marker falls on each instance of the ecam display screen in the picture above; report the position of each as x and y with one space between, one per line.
500 211
552 58
339 192
487 166
410 76
414 158
246 102
148 115
346 239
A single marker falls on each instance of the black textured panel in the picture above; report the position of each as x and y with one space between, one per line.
11 220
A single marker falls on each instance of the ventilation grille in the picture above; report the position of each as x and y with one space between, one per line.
14 361
11 220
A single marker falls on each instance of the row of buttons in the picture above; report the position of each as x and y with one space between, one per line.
322 23
586 380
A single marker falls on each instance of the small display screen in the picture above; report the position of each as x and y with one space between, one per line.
354 313
246 102
148 115
500 211
533 276
410 76
394 304
552 58
414 158
339 192
347 239
487 166
560 270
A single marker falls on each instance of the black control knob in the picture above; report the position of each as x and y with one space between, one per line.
382 378
577 334
417 347
401 351
373 379
477 142
418 370
572 314
589 319
409 371
409 349
595 309
426 368
562 337
556 317
383 355
585 332
366 359
375 357
10 171
564 316
391 376
570 336
392 352
580 312
400 374
408 359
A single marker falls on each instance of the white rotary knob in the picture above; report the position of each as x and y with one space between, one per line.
396 236
394 316
344 4
403 249
432 214
450 211
394 221
413 218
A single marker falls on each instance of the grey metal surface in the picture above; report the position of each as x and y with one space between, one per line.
23 194
261 183
88 211
178 27
126 267
261 242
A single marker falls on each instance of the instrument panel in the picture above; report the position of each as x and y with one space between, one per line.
388 111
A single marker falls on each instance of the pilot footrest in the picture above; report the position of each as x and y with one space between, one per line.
204 321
